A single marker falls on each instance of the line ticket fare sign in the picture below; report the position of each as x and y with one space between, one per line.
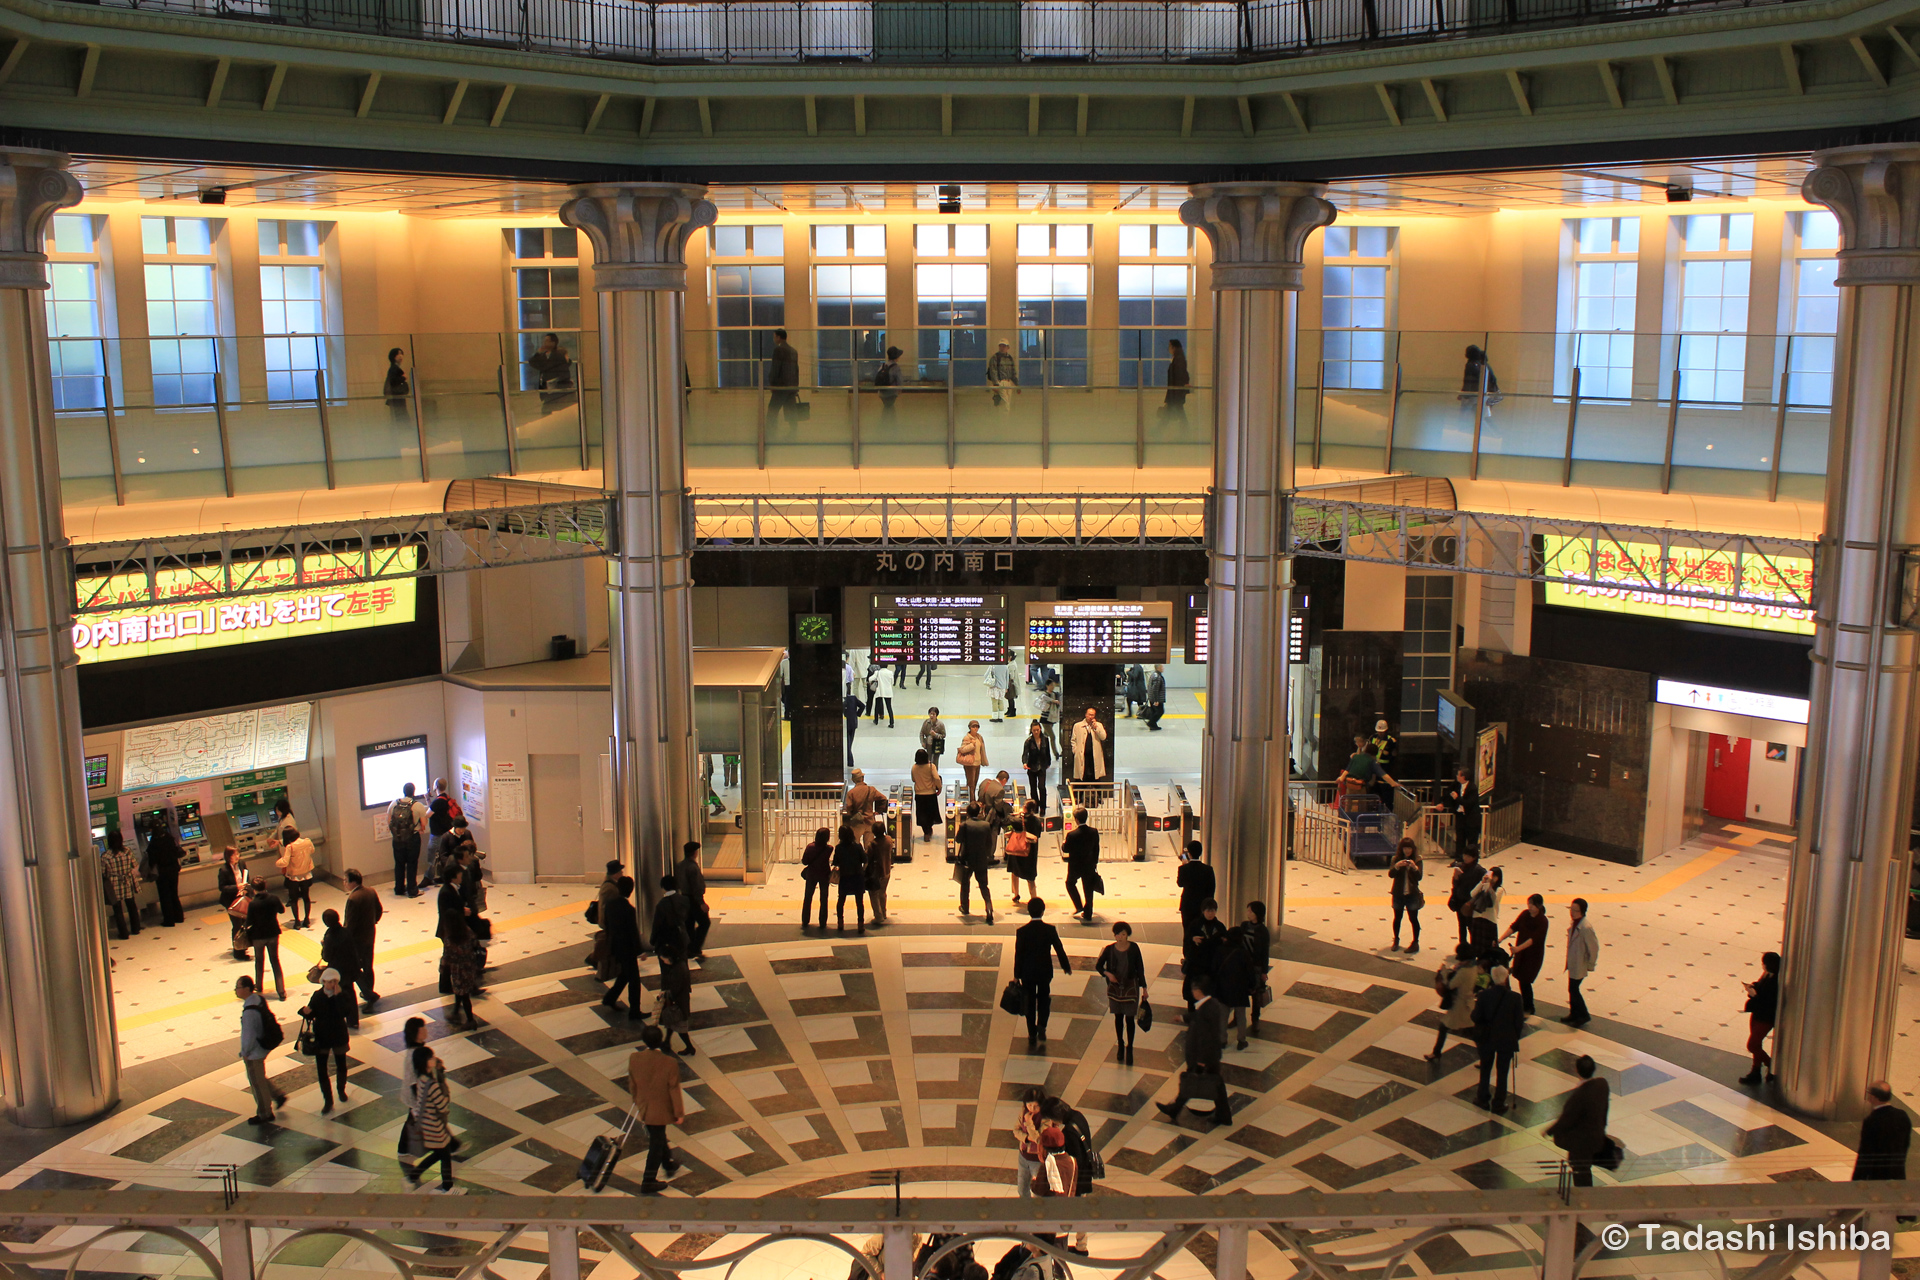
1617 580
1099 630
923 627
327 601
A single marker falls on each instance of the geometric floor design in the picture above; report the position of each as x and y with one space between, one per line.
823 1063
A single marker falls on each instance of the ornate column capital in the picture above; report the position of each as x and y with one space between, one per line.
33 185
1258 229
1875 193
639 231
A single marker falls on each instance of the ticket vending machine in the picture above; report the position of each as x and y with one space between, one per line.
190 829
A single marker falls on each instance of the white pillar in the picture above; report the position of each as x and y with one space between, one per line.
1847 889
639 232
1258 231
59 1063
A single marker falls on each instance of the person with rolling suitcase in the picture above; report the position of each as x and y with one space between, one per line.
603 1153
653 1077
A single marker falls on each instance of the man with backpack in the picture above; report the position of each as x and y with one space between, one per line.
260 1035
406 819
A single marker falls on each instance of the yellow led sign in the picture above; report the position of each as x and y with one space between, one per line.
1617 583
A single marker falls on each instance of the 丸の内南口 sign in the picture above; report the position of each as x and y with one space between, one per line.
174 619
1622 576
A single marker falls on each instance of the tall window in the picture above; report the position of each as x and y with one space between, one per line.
749 298
1355 277
1715 267
1816 307
1053 303
183 318
1427 659
75 317
1606 266
293 306
1154 283
546 294
849 301
952 302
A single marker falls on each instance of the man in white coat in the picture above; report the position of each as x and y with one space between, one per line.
997 681
882 691
1089 757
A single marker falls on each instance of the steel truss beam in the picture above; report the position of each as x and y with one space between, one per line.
941 521
1742 570
234 564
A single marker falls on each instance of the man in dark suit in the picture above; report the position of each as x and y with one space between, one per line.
622 924
1206 1036
1581 1130
1499 1016
1082 847
975 838
1035 944
1885 1135
670 919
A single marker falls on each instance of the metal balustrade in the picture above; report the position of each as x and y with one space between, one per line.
928 31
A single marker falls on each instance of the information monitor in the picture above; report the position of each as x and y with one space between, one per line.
938 627
1196 628
1099 630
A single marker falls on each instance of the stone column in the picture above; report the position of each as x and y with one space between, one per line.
60 1062
1258 231
1847 889
639 232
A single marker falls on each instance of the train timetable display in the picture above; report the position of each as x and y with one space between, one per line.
1099 630
938 628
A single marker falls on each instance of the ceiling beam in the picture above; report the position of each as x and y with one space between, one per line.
706 116
454 100
14 55
646 116
1518 83
1867 60
1901 43
859 115
599 109
813 117
1246 115
275 83
1435 101
1033 115
1080 117
218 85
1186 116
946 115
1610 81
1664 70
1387 102
366 96
500 105
1295 110
89 67
1790 63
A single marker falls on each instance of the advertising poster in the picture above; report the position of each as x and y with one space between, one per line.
1615 579
1487 755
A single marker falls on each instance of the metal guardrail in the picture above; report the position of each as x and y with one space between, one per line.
929 31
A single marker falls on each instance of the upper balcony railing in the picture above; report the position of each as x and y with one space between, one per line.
926 32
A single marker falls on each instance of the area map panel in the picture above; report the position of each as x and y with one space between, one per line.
1098 630
938 628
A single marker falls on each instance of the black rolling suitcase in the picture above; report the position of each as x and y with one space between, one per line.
604 1153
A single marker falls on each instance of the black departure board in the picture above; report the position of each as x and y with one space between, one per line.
941 628
1099 630
1196 629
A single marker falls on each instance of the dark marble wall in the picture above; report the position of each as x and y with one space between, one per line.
1604 820
1359 683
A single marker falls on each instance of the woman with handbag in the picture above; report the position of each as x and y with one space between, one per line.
1126 973
674 1008
1036 757
850 873
296 864
429 1105
460 965
1404 872
816 872
972 756
1258 940
1026 1140
329 1011
232 879
1023 850
410 1148
1454 984
926 792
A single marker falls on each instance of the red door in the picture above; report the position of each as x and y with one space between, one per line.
1726 791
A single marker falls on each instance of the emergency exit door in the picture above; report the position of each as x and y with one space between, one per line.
1727 765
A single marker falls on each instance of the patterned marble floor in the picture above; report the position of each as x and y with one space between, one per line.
821 1064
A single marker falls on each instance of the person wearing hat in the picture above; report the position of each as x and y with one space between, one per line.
330 1010
1499 1016
1383 746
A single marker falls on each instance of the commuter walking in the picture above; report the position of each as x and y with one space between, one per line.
851 709
163 861
1081 848
338 953
1174 406
1206 1036
409 1148
461 962
676 998
816 873
879 871
1003 375
1763 1003
996 802
296 864
1125 970
1885 1135
1013 683
1035 944
783 380
972 757
263 930
1026 1141
1089 756
692 882
926 791
933 734
1047 707
862 800
850 865
1529 931
1454 983
121 875
332 1013
1255 942
996 679
1583 956
1498 1020
1580 1130
1195 881
259 1036
882 675
1135 687
1403 874
670 920
1477 377
406 818
552 371
429 1105
1156 696
395 387
1023 850
1199 949
653 1082
362 923
622 924
1036 757
975 841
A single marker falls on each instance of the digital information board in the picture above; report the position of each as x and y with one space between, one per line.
959 629
1099 630
1196 628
